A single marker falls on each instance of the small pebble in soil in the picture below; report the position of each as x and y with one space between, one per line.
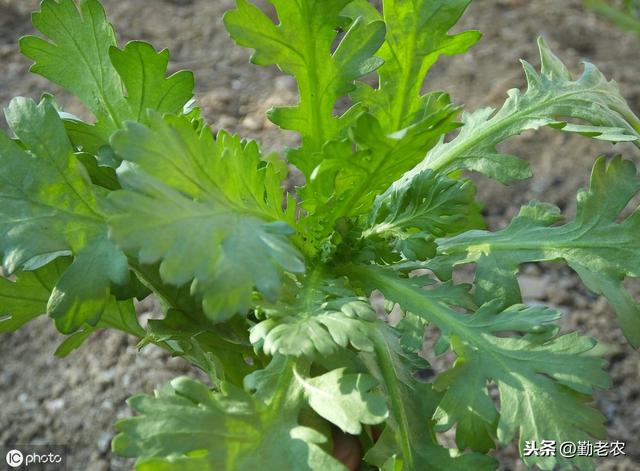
252 123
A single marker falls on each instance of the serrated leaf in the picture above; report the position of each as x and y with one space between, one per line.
26 298
552 95
543 382
143 71
218 350
531 404
432 203
243 251
379 160
231 198
192 161
416 38
76 56
323 330
345 399
185 426
601 250
301 46
50 209
47 202
79 53
120 315
74 301
408 429
345 183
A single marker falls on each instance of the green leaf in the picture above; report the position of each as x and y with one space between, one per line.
243 251
74 301
551 97
231 198
345 399
192 162
409 428
185 426
602 250
73 342
26 298
220 351
416 38
543 380
323 329
76 56
301 46
345 183
143 71
119 315
49 210
531 403
79 53
48 205
432 203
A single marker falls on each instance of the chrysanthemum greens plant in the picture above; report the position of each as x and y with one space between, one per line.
268 292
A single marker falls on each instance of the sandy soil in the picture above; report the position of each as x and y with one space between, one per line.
76 400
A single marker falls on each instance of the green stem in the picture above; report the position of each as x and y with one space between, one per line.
289 392
392 384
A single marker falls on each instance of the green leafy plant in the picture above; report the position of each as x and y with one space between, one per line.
624 14
269 293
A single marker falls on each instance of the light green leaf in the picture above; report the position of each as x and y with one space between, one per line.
346 183
192 161
242 251
142 71
345 399
543 380
301 46
26 298
74 301
47 203
73 342
76 56
231 199
432 203
79 53
409 428
185 426
323 329
219 350
416 38
602 250
551 97
50 210
119 315
350 181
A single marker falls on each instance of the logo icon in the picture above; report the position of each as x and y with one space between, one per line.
14 458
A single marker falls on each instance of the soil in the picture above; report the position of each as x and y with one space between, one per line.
75 401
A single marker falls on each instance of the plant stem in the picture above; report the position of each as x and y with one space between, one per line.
392 385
